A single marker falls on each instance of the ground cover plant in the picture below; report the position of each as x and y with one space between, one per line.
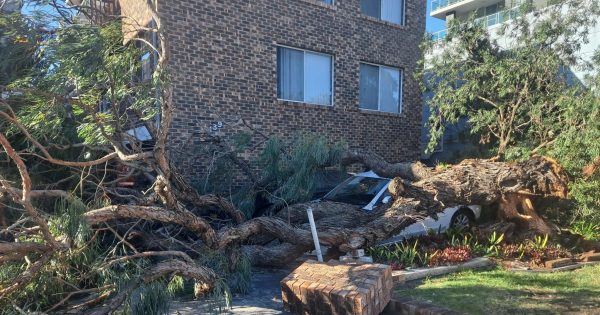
458 246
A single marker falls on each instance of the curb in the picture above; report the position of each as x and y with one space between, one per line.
402 276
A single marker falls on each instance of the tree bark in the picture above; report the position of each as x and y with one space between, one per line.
486 182
181 217
346 227
412 171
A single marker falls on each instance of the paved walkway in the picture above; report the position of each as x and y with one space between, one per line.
264 297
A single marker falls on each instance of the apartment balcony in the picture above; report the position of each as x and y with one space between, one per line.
439 8
487 21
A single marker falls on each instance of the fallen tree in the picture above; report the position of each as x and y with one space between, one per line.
151 234
513 187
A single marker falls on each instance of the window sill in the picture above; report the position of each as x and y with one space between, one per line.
320 4
380 21
379 113
303 104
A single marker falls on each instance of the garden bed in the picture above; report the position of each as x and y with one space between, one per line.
456 247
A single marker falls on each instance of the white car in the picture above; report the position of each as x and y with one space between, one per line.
370 191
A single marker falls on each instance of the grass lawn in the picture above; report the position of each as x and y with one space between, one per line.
503 292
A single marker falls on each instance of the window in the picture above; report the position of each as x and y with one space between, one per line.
327 1
380 88
304 76
387 10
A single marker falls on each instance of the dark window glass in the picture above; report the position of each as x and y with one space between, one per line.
369 87
371 7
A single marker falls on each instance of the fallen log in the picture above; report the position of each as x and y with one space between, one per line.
413 171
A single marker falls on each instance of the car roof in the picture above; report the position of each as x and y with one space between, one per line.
369 174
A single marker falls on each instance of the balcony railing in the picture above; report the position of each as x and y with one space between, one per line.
499 17
438 4
486 21
439 35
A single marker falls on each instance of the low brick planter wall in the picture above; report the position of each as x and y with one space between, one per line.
337 288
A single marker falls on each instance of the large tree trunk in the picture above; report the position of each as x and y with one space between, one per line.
408 170
485 182
346 227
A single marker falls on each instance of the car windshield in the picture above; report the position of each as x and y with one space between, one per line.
357 190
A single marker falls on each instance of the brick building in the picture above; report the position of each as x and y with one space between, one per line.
341 68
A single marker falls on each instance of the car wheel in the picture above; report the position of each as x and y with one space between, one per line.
462 218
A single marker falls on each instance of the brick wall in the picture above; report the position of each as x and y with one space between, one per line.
224 62
337 288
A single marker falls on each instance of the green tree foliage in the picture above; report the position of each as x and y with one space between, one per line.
78 68
17 47
53 79
516 96
287 169
292 168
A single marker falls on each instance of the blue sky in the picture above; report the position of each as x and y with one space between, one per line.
433 24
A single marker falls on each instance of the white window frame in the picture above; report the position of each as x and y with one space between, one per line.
400 90
304 51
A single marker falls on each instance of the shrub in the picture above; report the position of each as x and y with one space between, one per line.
588 229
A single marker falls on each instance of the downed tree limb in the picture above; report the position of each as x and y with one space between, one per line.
380 225
412 171
24 248
181 217
179 254
278 255
267 225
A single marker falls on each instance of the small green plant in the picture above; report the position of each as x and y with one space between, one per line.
427 257
399 256
494 242
152 298
457 232
441 166
539 242
405 254
589 230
